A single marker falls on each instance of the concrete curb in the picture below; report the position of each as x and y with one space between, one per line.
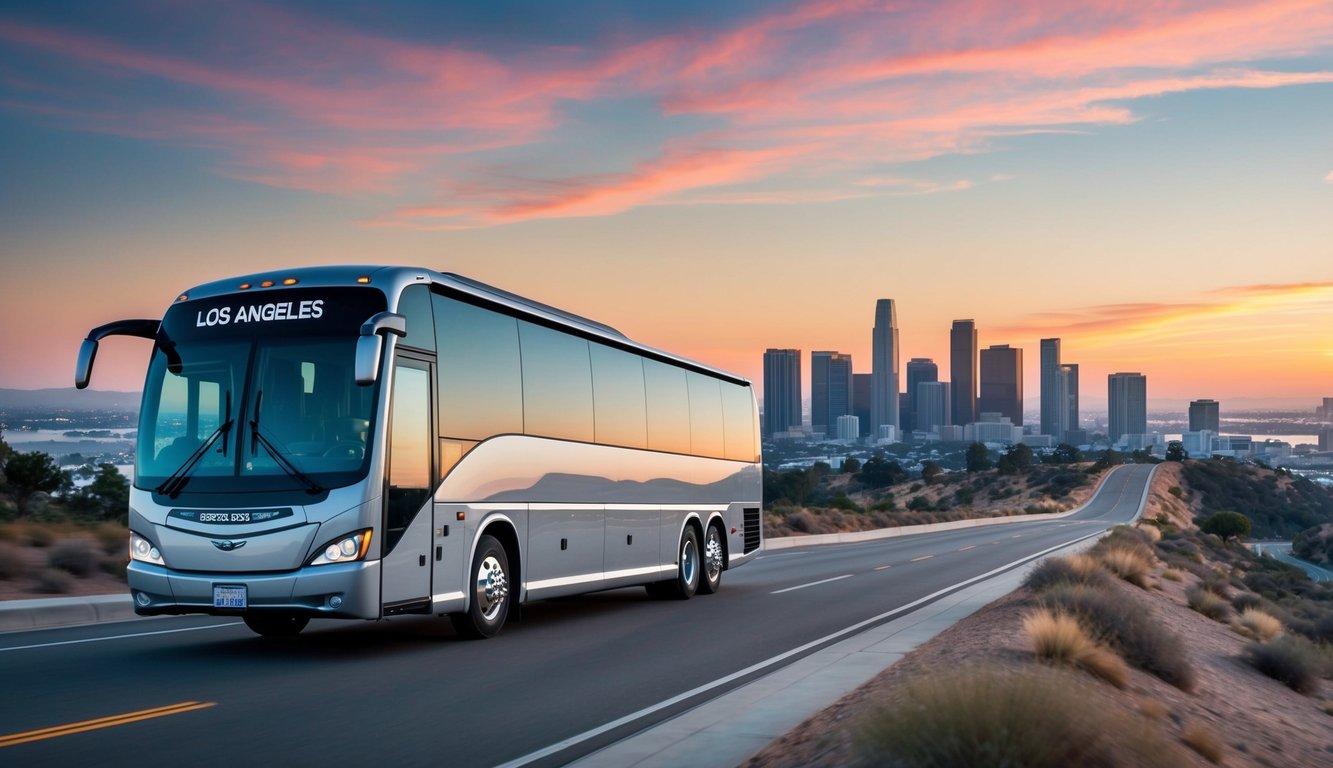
44 613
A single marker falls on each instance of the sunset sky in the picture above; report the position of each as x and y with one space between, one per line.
1151 181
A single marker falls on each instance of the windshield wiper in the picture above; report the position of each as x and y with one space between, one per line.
257 438
176 480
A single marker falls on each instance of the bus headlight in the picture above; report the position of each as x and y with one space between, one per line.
343 550
142 549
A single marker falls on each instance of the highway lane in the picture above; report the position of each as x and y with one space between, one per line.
408 692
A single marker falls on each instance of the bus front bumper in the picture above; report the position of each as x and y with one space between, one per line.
340 590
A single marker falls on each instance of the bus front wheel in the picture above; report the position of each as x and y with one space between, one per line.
488 606
276 624
689 566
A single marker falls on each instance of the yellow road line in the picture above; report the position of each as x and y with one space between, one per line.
923 557
101 722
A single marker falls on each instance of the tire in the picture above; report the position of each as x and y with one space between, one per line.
488 606
712 561
688 567
276 624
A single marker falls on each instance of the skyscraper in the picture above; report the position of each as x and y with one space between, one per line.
861 400
963 370
782 390
884 367
1127 396
919 369
830 389
1054 396
1002 382
1205 414
932 403
1069 377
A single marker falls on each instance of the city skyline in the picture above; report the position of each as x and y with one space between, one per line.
1150 183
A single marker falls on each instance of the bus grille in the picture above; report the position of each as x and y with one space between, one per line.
751 529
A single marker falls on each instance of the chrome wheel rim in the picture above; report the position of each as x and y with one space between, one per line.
713 555
492 587
688 556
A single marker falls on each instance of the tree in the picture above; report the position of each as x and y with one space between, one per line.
1064 453
5 450
930 472
109 492
851 465
1016 460
1228 525
978 458
34 471
878 472
1175 451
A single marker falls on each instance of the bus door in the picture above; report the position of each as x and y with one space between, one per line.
406 525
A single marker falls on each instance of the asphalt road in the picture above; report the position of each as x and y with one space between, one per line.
407 692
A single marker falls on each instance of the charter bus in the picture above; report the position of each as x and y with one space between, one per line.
363 442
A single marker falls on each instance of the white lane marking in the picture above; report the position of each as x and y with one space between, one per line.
811 584
882 567
919 559
593 733
969 546
118 637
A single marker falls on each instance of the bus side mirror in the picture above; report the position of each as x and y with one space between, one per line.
83 367
371 341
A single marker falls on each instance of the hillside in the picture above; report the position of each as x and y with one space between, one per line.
1278 504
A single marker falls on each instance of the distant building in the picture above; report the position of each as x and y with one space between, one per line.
1075 437
952 433
932 402
1039 441
1234 445
1002 381
782 391
848 428
830 389
1325 411
919 369
993 428
1127 396
861 400
886 433
1069 380
1198 444
1205 414
963 370
1273 451
884 365
1326 439
1141 441
1054 390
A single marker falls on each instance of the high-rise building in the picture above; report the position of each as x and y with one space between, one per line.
919 369
1069 376
884 366
847 427
782 390
933 402
1127 396
1002 382
1325 411
963 365
1205 414
1326 439
1054 395
861 400
830 389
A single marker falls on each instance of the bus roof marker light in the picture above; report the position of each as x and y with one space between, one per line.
183 297
266 284
245 286
289 281
363 279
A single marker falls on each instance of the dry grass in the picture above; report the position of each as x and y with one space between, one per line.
1152 708
1128 564
1171 574
1256 624
1074 569
12 565
1291 660
114 538
1203 741
1153 533
1208 603
78 557
1059 638
53 582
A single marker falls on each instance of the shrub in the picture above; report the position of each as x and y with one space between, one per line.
12 564
1171 574
1293 661
53 582
114 539
1056 636
1153 533
39 536
116 566
75 556
1207 603
1202 740
1246 600
991 717
1254 623
1128 564
1118 620
1228 525
1075 569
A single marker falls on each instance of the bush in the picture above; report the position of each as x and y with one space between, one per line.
1293 661
989 717
1228 525
1075 569
1207 603
1059 638
1170 574
1246 600
1202 740
1254 623
75 556
40 536
53 582
114 539
1128 564
34 471
1122 623
12 564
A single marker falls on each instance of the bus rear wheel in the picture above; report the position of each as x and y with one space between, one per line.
688 568
276 624
711 579
488 606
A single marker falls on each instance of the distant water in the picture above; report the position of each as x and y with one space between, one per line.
21 436
1294 440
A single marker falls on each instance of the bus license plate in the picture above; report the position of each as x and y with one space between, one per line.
229 596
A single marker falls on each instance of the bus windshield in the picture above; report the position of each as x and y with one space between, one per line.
291 413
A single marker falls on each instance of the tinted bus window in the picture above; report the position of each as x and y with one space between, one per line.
620 411
737 422
705 415
409 450
481 385
414 304
668 407
557 384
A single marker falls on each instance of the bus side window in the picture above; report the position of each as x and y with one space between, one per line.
409 451
738 422
668 407
618 400
414 304
480 384
705 415
557 384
